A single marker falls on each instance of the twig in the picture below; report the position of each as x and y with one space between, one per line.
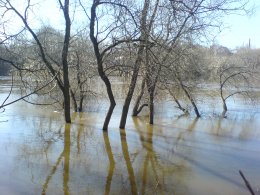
10 92
35 91
246 182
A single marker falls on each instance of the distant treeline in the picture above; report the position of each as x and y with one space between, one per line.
4 69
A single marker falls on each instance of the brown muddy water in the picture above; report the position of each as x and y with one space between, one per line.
176 155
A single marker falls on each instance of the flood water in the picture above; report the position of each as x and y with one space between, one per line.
177 155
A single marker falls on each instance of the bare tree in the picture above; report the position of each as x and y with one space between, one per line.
82 70
63 82
187 21
234 79
137 108
100 53
145 28
4 103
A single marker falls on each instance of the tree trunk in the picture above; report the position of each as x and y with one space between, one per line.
195 107
224 106
80 85
179 105
66 92
112 103
223 100
177 102
75 105
81 104
143 37
151 107
191 99
138 100
66 96
99 59
131 87
63 85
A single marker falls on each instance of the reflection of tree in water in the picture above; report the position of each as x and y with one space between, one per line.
65 159
65 155
111 162
190 129
126 156
45 143
147 143
80 130
128 162
151 163
199 163
45 132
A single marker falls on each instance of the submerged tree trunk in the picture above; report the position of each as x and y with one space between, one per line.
152 76
63 85
66 95
75 105
112 103
78 107
224 106
223 99
131 88
66 91
137 109
179 105
137 65
101 72
177 102
151 107
190 98
151 90
81 103
152 68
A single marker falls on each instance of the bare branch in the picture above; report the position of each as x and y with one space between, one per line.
247 183
35 91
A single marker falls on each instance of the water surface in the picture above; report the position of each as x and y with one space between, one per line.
177 155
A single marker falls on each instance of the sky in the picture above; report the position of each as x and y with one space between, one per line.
240 29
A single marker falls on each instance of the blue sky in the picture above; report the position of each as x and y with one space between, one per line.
241 28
